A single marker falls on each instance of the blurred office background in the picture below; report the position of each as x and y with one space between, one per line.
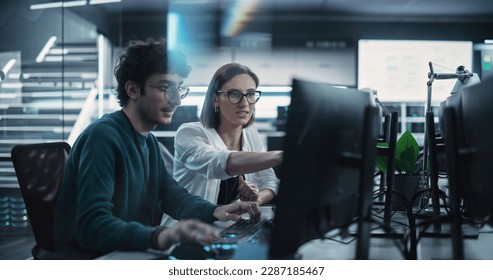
57 59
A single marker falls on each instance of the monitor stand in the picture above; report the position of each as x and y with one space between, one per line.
396 231
441 229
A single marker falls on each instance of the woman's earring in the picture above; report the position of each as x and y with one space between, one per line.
216 109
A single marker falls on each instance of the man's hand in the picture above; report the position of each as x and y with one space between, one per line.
187 230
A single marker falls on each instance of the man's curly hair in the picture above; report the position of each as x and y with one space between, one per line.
140 59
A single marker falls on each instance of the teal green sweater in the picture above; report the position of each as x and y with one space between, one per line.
107 202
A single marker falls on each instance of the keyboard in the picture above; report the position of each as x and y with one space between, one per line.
241 230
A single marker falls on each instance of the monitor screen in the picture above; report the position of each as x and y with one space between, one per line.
486 62
398 69
318 192
477 122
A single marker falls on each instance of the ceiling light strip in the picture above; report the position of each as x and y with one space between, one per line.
61 4
46 6
201 89
98 2
45 49
8 66
74 3
173 21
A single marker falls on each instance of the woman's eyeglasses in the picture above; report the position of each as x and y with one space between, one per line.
235 96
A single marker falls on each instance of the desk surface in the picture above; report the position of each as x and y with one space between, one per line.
336 248
428 248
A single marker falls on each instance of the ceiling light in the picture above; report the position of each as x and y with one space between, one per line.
97 2
45 49
275 88
8 66
198 88
173 22
46 6
74 3
51 5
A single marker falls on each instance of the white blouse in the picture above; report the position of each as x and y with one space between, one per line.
200 162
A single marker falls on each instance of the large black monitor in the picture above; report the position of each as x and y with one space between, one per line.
477 121
455 101
469 162
321 175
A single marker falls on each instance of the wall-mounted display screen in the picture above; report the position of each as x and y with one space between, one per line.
398 69
486 62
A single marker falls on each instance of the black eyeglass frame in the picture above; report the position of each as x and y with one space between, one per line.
243 95
170 89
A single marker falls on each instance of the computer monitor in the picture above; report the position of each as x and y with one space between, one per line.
477 120
469 160
320 175
455 101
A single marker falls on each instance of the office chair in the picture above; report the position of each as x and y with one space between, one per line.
39 169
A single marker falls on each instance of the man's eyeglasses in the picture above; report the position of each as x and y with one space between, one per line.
235 96
170 90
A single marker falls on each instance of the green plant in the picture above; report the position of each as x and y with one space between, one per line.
406 155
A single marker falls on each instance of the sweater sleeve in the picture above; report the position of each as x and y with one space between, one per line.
175 200
98 228
180 204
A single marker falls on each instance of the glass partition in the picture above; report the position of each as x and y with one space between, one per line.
32 93
56 62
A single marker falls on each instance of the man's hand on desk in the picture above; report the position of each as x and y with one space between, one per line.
233 211
186 230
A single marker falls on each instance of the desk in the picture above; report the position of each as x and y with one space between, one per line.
429 248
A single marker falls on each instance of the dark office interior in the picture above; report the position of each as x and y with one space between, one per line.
57 59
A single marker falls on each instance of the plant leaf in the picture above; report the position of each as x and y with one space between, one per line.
407 160
407 153
381 161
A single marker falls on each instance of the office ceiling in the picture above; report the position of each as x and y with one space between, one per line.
390 7
470 10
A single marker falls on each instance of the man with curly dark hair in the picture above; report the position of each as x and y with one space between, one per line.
116 187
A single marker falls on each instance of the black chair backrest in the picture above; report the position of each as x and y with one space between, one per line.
39 169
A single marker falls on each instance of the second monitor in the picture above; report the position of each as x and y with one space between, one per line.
329 158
